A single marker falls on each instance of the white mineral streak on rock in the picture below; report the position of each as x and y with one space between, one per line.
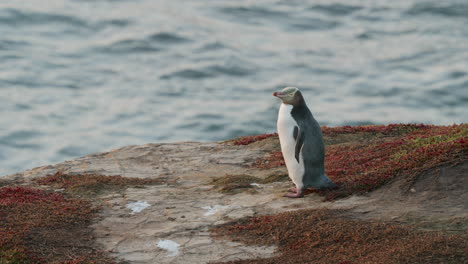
169 245
211 210
138 206
255 184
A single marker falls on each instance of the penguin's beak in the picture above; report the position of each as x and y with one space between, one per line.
279 95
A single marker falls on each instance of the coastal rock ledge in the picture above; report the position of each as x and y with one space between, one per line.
196 186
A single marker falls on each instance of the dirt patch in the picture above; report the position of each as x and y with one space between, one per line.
93 184
330 236
45 227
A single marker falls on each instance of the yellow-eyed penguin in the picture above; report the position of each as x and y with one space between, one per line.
301 143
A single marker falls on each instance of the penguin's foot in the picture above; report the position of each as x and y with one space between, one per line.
293 190
298 194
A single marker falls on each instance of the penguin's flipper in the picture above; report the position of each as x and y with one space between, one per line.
299 137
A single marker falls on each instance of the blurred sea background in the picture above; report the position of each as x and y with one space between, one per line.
84 76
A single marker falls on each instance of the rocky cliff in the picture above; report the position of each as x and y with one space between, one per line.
192 202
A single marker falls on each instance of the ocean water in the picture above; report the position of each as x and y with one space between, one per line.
83 76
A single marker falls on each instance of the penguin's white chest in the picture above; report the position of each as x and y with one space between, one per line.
285 126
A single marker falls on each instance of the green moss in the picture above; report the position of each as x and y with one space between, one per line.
278 177
235 179
454 225
237 188
423 142
93 184
234 183
13 256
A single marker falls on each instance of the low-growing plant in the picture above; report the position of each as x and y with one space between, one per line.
45 227
251 139
330 236
90 183
402 150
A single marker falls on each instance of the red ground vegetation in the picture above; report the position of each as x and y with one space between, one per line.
273 160
395 150
391 129
359 168
43 227
49 227
251 139
326 236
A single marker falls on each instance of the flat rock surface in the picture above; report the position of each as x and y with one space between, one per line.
170 223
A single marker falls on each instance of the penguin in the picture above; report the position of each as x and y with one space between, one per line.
301 143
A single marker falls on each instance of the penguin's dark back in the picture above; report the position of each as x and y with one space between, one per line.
313 150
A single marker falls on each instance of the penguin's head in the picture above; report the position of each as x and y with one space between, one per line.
290 95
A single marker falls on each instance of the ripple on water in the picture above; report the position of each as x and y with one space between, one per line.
20 139
457 90
312 23
150 44
370 91
259 15
407 60
15 17
23 81
232 67
189 125
232 70
456 74
214 127
213 46
128 46
205 116
188 74
377 34
8 44
115 22
369 18
22 107
251 14
21 135
167 38
336 9
9 57
72 151
439 9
